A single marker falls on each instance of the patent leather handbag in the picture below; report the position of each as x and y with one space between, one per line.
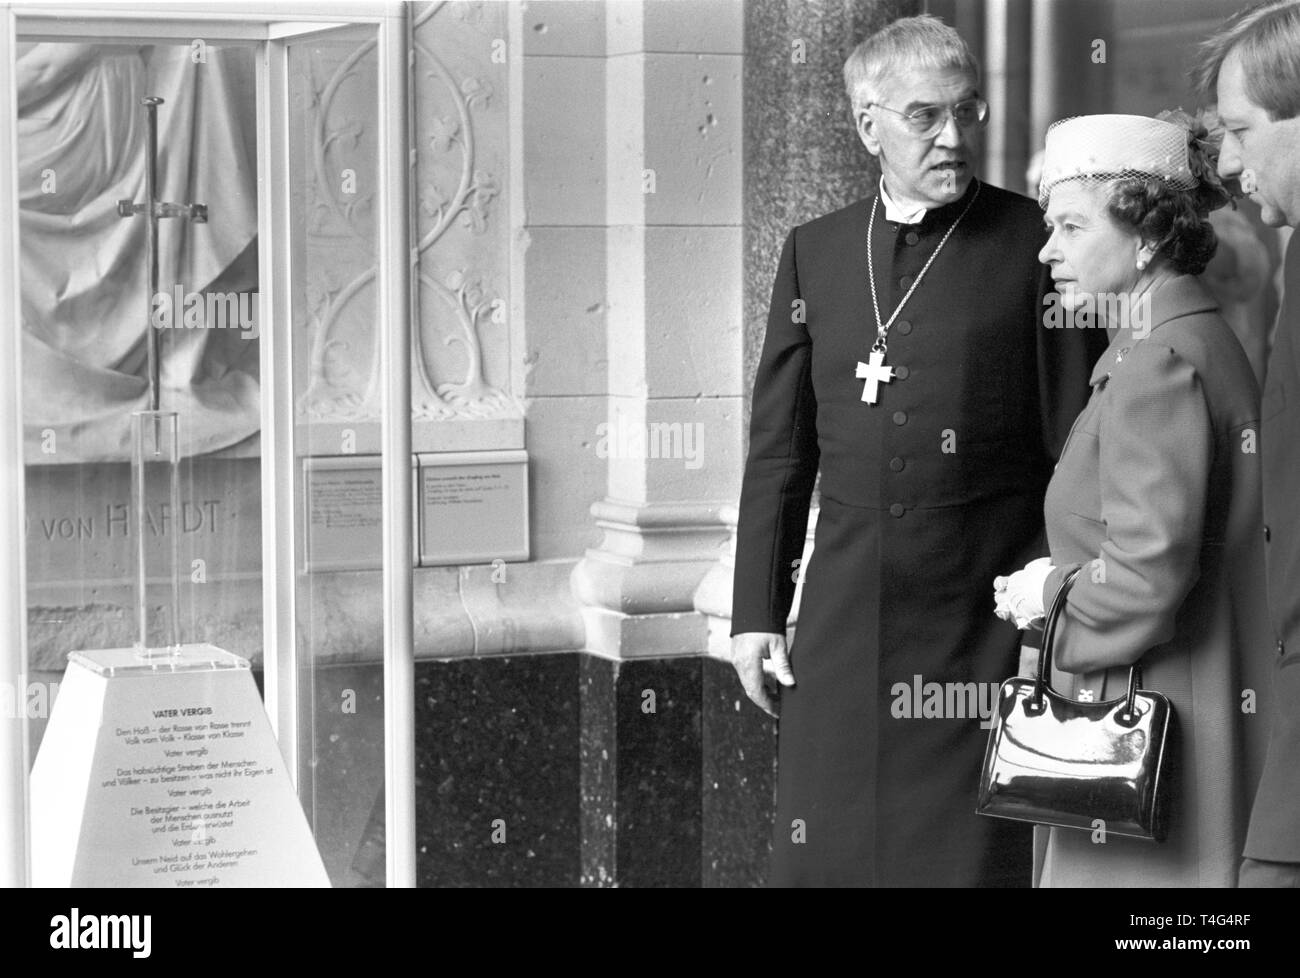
1056 761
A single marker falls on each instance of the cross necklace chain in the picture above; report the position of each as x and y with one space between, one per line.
874 372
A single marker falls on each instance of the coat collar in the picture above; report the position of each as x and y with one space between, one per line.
1174 299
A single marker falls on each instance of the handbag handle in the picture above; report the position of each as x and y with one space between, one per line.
1043 681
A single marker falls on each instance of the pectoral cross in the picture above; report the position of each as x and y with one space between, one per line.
153 209
874 372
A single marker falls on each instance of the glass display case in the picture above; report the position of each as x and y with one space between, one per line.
206 437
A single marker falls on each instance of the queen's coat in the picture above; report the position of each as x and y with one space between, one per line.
1157 496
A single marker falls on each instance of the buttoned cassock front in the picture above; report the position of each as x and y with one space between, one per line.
925 497
1157 497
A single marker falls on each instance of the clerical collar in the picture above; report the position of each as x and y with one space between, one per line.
896 212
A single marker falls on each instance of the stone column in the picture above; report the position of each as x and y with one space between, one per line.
1007 76
671 434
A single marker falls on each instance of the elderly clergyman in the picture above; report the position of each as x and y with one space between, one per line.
1251 69
906 357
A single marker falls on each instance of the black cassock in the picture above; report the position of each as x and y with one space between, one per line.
926 496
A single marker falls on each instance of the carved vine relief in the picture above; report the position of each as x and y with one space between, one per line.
460 253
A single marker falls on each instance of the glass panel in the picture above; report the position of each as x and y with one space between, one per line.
14 848
94 318
333 186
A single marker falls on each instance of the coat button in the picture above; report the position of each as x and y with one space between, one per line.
904 326
896 509
896 464
905 281
1267 534
1281 647
912 237
901 373
900 417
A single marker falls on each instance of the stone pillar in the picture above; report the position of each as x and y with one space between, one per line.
671 434
1006 84
1066 80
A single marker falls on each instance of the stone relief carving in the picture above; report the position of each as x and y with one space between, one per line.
468 311
339 98
460 355
87 312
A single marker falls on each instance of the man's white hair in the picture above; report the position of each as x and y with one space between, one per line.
911 42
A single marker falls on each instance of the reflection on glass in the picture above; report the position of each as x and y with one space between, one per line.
334 175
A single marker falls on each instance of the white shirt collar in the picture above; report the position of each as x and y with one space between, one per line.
896 212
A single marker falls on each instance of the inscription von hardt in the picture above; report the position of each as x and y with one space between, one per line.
200 516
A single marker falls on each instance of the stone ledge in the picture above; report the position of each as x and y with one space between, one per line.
460 612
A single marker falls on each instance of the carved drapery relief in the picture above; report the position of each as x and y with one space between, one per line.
461 339
86 307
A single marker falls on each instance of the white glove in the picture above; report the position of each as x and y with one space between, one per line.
1019 598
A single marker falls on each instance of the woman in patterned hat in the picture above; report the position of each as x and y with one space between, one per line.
1156 496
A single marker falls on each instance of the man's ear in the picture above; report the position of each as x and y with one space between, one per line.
866 127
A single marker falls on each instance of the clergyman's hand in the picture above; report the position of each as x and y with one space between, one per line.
760 657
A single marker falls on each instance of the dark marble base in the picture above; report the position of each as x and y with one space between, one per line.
497 771
678 776
739 789
641 766
554 770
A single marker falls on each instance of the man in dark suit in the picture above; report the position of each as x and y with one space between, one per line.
1251 68
906 359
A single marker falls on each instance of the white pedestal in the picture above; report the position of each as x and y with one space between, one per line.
163 772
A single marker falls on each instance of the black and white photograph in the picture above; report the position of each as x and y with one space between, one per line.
652 444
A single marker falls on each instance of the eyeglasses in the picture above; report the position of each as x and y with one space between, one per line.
929 120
